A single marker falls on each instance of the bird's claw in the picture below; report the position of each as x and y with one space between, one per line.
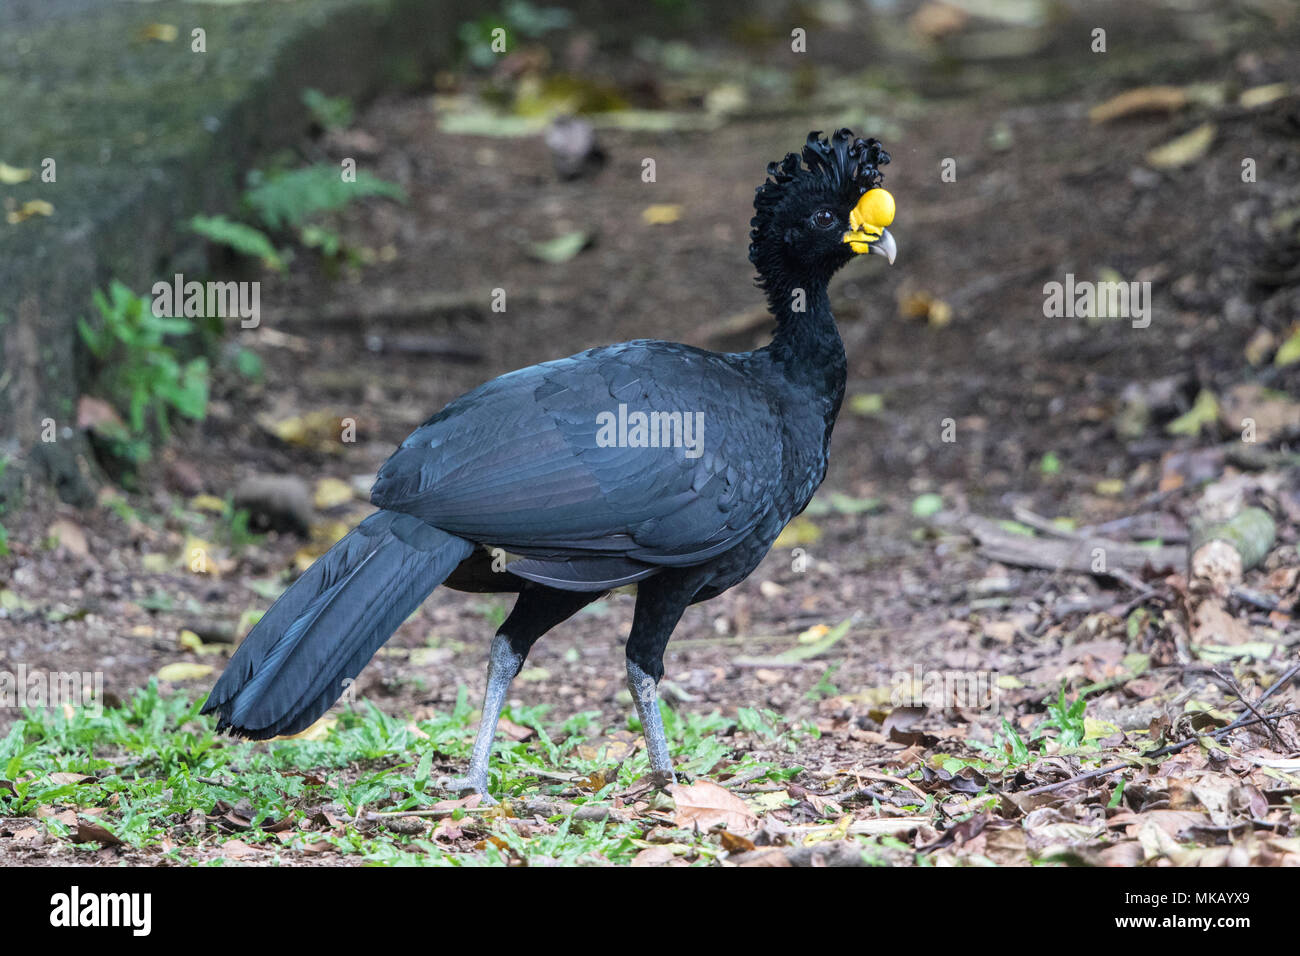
472 784
661 779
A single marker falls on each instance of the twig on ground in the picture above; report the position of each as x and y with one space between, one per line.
896 781
1162 752
1230 683
741 779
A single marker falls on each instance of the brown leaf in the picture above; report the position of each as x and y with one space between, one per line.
67 817
1211 624
734 843
704 804
653 856
1006 846
617 747
514 731
60 778
897 724
93 412
238 850
89 832
69 537
29 836
1170 822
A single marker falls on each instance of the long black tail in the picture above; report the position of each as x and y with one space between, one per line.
297 660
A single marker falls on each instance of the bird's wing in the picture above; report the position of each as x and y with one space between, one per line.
545 463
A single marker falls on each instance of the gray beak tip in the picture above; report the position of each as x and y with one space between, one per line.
885 246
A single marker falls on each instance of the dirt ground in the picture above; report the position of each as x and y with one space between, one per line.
1040 192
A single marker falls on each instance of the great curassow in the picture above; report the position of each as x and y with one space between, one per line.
647 463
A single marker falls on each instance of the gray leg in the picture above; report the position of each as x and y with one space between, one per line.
504 663
645 693
660 601
537 611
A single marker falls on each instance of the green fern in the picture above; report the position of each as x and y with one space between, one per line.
244 239
289 199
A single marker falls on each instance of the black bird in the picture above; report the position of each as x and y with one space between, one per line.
648 462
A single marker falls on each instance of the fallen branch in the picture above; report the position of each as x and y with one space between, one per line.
1080 554
1223 551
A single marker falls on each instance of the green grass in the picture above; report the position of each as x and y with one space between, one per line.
154 761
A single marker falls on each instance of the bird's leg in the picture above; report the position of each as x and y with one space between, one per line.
645 693
660 601
504 662
537 611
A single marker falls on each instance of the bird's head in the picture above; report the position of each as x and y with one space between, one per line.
812 217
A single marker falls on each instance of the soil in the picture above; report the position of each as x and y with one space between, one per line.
1065 196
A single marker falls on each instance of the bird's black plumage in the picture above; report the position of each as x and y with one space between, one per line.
525 465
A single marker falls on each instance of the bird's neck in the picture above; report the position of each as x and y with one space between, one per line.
807 353
807 345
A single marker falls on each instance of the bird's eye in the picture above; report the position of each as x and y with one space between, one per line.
823 219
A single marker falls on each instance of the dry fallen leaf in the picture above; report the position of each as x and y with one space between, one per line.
615 748
661 214
1144 99
317 731
88 832
12 175
92 412
238 850
703 804
1184 149
68 536
653 856
1258 96
923 305
161 32
1211 624
61 778
331 492
321 430
183 670
513 731
734 843
33 207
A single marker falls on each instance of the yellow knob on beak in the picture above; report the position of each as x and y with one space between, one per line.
875 208
874 211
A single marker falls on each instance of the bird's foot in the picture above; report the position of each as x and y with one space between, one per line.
661 779
470 784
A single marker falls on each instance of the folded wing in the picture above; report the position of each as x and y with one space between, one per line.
547 463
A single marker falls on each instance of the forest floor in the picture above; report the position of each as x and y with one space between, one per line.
925 661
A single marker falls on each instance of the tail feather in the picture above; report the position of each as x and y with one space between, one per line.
297 660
